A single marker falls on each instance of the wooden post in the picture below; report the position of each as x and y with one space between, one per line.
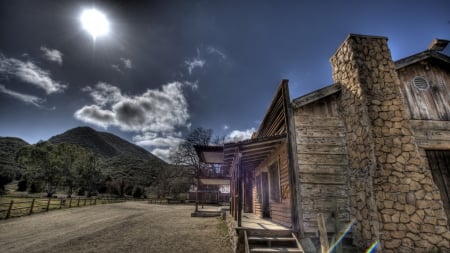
84 202
322 233
95 201
78 203
70 203
31 207
48 203
9 209
60 203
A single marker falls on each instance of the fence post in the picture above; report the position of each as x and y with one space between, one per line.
48 203
9 209
31 207
60 203
84 202
95 201
70 202
78 203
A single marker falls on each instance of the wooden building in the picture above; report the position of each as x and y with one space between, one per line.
373 148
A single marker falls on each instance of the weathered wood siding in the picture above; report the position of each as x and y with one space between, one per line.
322 160
432 103
431 135
280 212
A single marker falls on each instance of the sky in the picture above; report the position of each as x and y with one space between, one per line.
167 67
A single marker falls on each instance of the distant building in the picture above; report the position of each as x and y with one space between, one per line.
373 147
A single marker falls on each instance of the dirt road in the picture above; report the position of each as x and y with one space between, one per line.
122 227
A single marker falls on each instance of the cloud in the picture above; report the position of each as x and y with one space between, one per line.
213 50
28 99
196 62
123 65
226 127
155 115
237 135
30 73
52 55
93 114
126 63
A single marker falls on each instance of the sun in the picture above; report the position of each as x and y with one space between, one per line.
94 22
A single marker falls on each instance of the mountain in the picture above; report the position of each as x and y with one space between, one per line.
9 169
104 144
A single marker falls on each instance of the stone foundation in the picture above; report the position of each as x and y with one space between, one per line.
392 195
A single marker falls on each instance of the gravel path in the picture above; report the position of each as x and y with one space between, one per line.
121 227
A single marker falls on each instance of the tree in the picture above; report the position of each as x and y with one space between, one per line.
185 153
7 174
42 163
89 173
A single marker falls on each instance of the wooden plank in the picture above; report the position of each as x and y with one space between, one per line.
326 179
321 140
311 121
320 131
321 149
319 191
322 233
323 169
324 159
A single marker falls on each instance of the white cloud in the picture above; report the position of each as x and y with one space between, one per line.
29 99
123 65
126 63
156 115
162 153
93 114
116 67
237 135
226 127
30 73
194 63
213 50
52 55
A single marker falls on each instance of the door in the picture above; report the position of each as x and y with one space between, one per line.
439 161
265 195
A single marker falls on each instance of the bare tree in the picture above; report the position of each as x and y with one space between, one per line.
186 155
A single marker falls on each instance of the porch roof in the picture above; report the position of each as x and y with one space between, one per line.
252 152
209 154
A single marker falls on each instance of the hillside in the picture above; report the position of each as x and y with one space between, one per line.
104 144
8 148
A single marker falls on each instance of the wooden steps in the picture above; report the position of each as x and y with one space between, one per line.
258 241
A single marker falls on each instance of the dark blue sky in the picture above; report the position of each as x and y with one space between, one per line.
170 66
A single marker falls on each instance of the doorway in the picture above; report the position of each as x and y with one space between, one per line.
439 161
265 195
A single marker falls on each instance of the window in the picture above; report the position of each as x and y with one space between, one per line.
274 181
420 83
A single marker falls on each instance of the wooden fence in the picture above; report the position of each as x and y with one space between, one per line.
17 207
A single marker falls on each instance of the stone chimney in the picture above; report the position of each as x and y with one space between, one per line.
392 197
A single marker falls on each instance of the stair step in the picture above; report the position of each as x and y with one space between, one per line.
275 249
271 238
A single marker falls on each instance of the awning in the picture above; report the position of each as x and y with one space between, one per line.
252 151
215 181
209 154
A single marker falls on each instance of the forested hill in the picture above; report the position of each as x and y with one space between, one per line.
8 148
104 144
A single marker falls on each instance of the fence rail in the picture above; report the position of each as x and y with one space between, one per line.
17 207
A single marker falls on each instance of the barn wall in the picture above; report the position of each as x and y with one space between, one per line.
322 163
280 211
432 103
392 197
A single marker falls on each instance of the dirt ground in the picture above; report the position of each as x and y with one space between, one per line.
121 227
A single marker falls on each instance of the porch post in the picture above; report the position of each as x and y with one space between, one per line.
239 186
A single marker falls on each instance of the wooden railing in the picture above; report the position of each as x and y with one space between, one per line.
17 207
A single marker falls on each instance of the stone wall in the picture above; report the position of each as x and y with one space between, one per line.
392 196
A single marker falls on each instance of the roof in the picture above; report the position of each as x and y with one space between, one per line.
209 154
316 95
251 152
427 54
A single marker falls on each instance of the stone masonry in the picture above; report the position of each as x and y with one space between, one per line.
392 196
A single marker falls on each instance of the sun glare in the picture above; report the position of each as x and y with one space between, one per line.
94 22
